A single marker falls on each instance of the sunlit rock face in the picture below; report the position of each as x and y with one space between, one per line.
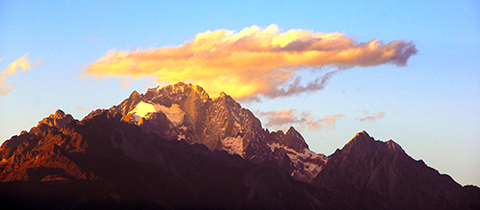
186 112
174 147
103 162
58 120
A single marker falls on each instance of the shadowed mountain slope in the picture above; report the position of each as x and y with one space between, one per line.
383 168
174 147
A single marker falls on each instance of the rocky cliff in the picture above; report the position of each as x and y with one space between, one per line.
174 147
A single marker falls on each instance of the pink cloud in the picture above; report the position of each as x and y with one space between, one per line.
372 117
6 88
286 118
81 108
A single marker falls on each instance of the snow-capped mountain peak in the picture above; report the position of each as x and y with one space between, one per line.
186 112
160 149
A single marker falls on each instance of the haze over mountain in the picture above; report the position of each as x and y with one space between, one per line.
175 147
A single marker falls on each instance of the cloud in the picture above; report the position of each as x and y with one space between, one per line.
5 88
125 82
327 122
252 63
285 118
94 38
372 117
295 88
22 64
366 112
81 108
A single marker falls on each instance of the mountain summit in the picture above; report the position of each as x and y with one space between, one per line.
186 112
363 144
374 167
175 147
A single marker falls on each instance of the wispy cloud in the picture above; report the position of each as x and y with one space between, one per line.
286 118
5 88
328 122
366 112
22 64
90 108
252 63
125 82
372 117
94 38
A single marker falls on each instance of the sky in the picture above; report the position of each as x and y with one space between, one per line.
402 70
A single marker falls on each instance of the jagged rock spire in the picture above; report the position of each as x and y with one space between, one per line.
58 119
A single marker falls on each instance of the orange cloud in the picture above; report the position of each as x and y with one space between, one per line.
5 88
372 117
253 62
327 122
22 64
284 118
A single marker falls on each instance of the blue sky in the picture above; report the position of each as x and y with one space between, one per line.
431 106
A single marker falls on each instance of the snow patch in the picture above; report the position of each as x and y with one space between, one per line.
294 155
173 113
309 169
233 145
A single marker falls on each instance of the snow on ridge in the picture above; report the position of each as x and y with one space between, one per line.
174 113
233 145
141 110
305 169
297 156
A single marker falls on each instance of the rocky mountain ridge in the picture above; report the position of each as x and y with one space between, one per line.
82 165
174 147
186 112
384 168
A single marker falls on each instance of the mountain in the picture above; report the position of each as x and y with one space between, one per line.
186 112
174 147
384 168
82 166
